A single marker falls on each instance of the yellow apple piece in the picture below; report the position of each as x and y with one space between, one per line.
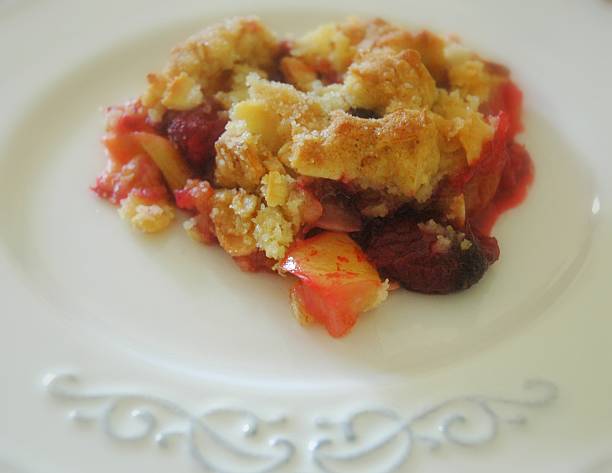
336 281
166 157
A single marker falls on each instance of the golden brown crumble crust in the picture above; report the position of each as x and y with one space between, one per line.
423 92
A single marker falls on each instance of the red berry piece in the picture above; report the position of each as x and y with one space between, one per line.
194 133
428 257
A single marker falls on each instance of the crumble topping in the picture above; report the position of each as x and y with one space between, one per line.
446 236
148 218
203 65
232 215
282 148
422 94
383 81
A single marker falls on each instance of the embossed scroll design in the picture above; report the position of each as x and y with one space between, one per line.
133 417
467 421
344 445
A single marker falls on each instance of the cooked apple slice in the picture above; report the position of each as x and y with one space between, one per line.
337 282
122 147
482 185
175 170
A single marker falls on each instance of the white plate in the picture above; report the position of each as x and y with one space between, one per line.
512 375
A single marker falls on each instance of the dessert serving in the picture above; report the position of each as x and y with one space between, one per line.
356 159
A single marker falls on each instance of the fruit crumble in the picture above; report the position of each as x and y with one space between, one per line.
355 159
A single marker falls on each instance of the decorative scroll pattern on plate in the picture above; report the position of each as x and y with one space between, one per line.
135 417
228 440
467 421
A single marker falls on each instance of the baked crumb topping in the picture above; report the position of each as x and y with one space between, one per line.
266 141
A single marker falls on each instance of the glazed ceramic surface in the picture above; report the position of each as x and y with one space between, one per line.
123 352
